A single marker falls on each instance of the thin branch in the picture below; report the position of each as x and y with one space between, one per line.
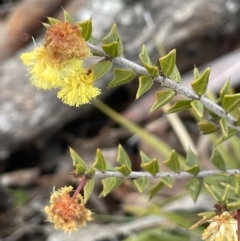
218 110
174 175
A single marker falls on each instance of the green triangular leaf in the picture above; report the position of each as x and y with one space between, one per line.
194 186
100 162
192 163
112 43
207 127
68 17
53 21
197 107
112 49
78 161
90 172
109 184
195 73
155 190
175 75
224 126
226 89
121 76
100 69
162 98
86 28
168 62
200 84
168 181
141 183
230 102
151 167
145 83
124 169
145 158
172 162
144 57
194 170
179 105
152 70
88 189
217 160
123 158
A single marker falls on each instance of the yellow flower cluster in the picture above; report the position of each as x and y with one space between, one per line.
67 212
221 228
58 64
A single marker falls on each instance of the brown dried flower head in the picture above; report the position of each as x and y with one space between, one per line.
64 41
67 212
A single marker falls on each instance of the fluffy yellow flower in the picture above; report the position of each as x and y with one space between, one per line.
221 228
44 72
67 212
58 64
78 88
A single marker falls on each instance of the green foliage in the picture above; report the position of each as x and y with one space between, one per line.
168 62
100 69
78 162
152 70
151 167
216 192
144 56
141 183
68 17
194 187
88 189
162 98
175 75
145 84
224 126
155 189
200 84
231 133
110 184
121 76
86 27
52 21
168 181
207 127
100 162
217 160
197 107
226 89
112 43
237 184
230 102
124 161
179 105
172 162
192 163
148 164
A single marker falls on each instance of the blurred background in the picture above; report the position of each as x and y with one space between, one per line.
36 128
